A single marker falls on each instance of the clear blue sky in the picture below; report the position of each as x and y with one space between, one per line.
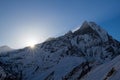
24 20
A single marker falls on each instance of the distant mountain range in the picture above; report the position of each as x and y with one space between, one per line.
5 49
88 53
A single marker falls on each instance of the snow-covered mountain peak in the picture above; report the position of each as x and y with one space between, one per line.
85 25
91 28
90 24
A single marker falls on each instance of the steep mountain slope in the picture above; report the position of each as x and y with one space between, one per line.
107 71
68 57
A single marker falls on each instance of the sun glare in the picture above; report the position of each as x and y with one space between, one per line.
31 43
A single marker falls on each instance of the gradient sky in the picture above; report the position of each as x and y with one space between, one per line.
25 20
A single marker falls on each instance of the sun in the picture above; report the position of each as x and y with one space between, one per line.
31 43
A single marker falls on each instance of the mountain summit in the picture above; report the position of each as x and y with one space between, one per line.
92 28
68 57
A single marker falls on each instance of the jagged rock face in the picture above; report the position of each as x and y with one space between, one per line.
69 57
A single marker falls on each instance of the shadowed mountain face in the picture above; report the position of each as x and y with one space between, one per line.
68 57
